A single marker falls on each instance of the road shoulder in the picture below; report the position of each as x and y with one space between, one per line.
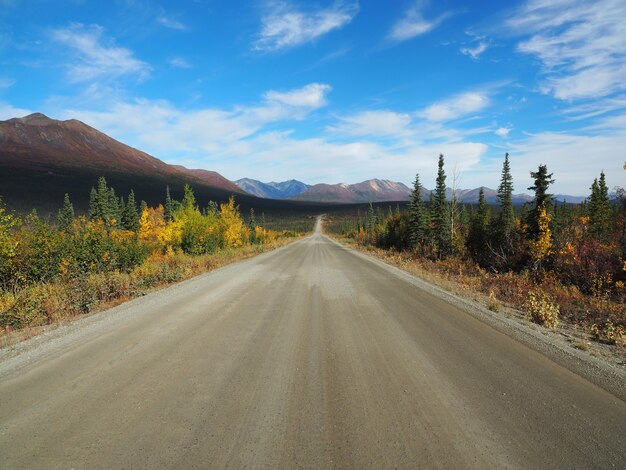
555 347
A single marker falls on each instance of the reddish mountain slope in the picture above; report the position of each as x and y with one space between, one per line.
212 178
41 159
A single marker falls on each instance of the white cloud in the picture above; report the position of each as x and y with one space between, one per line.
276 156
93 60
242 141
310 96
159 127
8 112
414 24
595 108
475 52
503 131
287 27
581 45
179 63
456 107
171 23
374 123
574 158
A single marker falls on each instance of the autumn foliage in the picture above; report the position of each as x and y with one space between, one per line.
117 250
551 259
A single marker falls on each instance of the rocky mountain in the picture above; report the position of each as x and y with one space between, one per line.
41 159
374 190
272 190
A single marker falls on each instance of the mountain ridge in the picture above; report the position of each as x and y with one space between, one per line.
41 159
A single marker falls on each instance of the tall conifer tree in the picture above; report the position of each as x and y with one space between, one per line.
599 208
440 213
418 225
130 217
542 201
65 219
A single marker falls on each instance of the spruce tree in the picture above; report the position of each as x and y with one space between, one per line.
252 220
479 229
418 225
114 216
371 219
169 205
440 213
506 220
189 200
212 208
65 219
599 209
130 217
542 200
93 204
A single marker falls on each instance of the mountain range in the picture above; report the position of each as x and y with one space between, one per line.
41 159
374 190
272 190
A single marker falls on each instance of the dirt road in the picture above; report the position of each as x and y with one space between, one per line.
307 357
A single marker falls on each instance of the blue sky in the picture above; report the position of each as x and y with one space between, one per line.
334 91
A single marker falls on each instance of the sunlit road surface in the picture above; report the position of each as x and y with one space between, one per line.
307 357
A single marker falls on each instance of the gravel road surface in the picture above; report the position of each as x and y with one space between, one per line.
310 356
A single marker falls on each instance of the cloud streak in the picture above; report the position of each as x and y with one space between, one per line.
457 107
581 45
92 60
475 52
285 27
414 24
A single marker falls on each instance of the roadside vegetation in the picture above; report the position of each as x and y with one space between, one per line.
52 272
559 262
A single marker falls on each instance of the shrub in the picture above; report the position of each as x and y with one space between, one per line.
542 310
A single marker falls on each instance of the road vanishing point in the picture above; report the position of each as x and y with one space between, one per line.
310 356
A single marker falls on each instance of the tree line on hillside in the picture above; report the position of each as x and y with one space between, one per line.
117 234
583 244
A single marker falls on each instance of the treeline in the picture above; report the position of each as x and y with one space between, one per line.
582 245
118 236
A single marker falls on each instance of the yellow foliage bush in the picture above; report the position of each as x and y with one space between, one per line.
542 310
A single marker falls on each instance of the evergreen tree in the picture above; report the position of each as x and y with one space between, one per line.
213 208
370 219
440 213
115 211
479 229
506 222
252 220
93 204
542 200
104 204
418 225
599 209
189 200
65 218
130 217
143 205
169 205
503 231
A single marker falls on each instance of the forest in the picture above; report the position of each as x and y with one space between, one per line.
557 261
51 271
